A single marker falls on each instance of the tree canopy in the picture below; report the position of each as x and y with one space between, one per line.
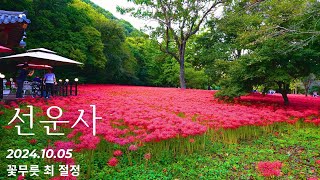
267 43
178 21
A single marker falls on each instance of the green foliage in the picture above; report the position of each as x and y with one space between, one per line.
235 82
112 50
177 22
129 29
277 42
314 89
196 78
83 32
170 73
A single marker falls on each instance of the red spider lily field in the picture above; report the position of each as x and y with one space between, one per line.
169 133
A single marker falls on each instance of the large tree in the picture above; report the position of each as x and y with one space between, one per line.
177 20
281 39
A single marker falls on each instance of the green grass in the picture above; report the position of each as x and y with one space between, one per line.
297 149
11 140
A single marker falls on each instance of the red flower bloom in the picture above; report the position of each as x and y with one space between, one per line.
133 147
268 169
33 141
113 161
147 156
191 140
7 127
137 115
20 177
117 153
313 178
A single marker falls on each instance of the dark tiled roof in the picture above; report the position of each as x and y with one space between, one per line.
10 17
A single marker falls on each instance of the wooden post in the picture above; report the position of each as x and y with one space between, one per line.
10 84
1 88
70 88
66 85
76 88
60 88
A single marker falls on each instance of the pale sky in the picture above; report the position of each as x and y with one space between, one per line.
111 5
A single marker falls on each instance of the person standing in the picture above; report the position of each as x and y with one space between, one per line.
49 80
22 76
36 79
315 94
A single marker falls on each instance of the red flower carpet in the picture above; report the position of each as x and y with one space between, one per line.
133 114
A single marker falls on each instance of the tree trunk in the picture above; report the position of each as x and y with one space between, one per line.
285 98
284 89
182 50
264 91
182 75
306 89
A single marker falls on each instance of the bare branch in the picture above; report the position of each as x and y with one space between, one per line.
166 50
191 31
298 32
167 22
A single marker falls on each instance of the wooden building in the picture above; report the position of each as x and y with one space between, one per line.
12 28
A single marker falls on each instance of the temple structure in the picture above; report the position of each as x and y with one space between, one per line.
12 28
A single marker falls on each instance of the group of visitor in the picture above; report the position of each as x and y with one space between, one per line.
49 80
